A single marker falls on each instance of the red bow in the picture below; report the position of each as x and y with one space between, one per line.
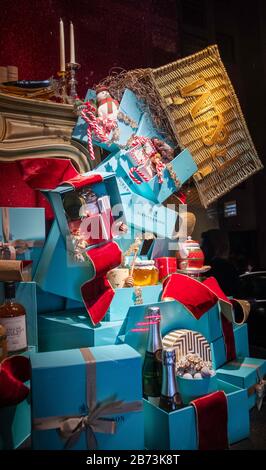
14 371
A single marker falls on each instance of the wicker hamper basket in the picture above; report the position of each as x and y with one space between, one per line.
205 116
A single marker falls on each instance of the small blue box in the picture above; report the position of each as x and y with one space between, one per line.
15 425
107 187
183 165
125 298
241 345
190 389
70 330
55 274
149 217
130 105
244 372
59 383
26 296
178 430
27 224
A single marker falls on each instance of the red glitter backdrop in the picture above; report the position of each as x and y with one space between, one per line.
108 33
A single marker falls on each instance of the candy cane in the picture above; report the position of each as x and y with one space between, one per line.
159 170
139 173
98 126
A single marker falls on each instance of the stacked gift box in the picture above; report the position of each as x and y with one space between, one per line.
88 314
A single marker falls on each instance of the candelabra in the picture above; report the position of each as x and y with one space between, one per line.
72 68
60 86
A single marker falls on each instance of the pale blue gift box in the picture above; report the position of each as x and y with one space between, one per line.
129 105
73 329
27 224
183 165
15 420
241 346
125 298
178 430
190 389
244 372
59 389
119 163
149 217
108 187
56 274
15 425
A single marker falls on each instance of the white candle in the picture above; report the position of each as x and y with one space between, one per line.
72 44
62 47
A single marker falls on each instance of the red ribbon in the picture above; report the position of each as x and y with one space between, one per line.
14 371
49 173
198 298
227 327
212 416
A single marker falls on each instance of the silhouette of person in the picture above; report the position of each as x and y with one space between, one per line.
216 248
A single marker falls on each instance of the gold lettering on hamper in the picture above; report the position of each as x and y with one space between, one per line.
214 134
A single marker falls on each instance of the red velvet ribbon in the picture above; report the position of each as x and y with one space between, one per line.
14 371
49 173
211 417
97 294
193 294
198 298
227 327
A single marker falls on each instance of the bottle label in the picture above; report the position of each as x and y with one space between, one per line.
154 400
15 332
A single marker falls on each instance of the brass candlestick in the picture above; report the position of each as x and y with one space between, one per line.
72 68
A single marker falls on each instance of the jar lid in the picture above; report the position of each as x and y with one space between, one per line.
144 262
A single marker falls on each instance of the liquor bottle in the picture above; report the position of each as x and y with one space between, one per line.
170 398
13 318
3 343
152 367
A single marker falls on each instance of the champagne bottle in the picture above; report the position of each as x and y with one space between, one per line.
152 367
170 398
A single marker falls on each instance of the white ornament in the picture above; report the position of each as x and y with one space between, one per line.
106 105
187 376
197 375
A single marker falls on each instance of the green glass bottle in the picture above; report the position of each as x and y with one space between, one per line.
152 367
170 398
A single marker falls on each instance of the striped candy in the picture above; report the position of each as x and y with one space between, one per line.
140 174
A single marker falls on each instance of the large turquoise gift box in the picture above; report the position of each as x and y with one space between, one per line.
93 395
72 329
178 430
244 372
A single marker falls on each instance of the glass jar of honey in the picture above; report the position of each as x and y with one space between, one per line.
145 273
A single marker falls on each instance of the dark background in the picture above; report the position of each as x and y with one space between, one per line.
131 34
